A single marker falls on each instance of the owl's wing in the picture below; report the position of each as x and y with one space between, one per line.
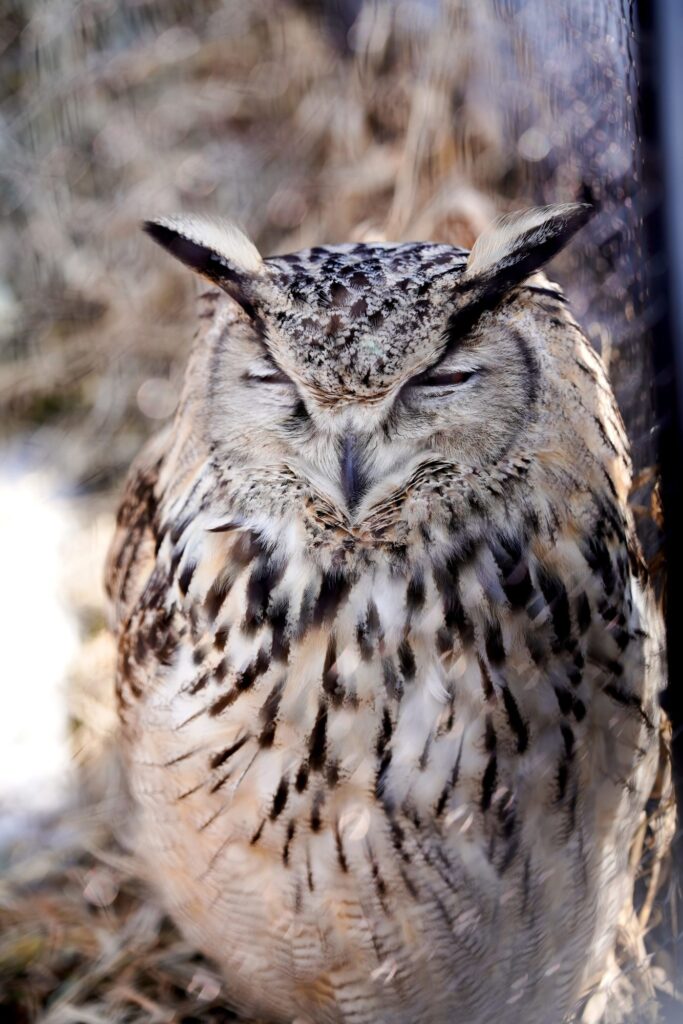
132 553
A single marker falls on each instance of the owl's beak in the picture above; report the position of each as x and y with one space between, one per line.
354 482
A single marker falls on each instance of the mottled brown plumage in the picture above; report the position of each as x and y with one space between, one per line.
388 658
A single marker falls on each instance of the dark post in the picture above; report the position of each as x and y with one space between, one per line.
661 111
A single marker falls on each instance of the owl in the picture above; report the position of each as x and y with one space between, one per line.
388 658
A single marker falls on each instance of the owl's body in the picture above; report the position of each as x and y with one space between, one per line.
389 664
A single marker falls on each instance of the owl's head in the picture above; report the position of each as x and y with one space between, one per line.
353 366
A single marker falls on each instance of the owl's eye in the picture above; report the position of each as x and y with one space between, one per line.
269 374
442 380
276 377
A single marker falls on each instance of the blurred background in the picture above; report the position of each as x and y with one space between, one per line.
306 122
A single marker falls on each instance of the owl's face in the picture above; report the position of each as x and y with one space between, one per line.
351 367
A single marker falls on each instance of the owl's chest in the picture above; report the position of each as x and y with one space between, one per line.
338 772
312 684
294 702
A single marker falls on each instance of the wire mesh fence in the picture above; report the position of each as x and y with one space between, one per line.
307 123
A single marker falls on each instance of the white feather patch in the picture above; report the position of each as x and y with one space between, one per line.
221 236
497 244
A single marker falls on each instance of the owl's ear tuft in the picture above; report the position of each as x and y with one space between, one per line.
215 249
519 243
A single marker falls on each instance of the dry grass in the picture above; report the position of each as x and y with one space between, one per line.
416 123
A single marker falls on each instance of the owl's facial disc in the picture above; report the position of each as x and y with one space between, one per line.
356 477
352 366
